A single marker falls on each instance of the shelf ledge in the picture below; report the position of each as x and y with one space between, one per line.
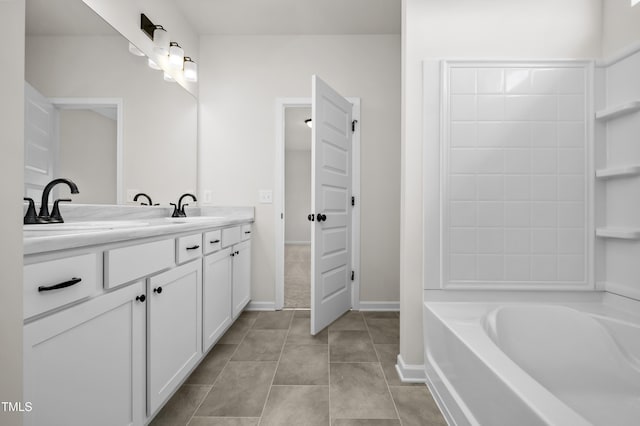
618 110
620 233
614 172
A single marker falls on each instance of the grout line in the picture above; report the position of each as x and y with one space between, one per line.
381 369
225 364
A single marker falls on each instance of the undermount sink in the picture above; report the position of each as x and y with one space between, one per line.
85 226
193 219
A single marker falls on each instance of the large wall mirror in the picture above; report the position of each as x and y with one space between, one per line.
98 115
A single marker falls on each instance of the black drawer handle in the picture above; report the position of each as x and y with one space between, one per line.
72 281
247 232
193 247
214 241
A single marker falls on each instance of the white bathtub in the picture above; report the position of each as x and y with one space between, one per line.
564 364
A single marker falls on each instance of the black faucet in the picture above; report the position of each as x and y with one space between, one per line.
44 216
178 211
142 194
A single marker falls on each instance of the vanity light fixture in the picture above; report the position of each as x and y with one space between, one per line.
168 78
134 50
157 33
308 122
190 69
176 55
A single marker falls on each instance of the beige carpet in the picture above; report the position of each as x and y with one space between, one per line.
297 276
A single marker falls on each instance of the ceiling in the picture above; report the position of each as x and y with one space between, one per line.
297 135
64 17
275 17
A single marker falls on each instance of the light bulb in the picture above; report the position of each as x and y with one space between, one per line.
190 69
176 55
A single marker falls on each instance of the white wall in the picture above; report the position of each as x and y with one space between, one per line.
87 151
12 17
241 77
621 25
160 118
463 29
297 185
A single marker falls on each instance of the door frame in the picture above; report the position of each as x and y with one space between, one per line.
89 103
279 198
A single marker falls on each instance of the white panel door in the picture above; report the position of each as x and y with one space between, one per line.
40 142
331 203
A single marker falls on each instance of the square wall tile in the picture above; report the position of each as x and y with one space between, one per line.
543 134
571 215
571 80
543 241
517 215
571 268
543 268
516 268
490 268
543 161
571 107
544 80
462 267
571 241
517 161
517 188
543 188
517 80
571 134
490 107
463 107
463 240
516 135
463 134
571 161
490 214
489 160
490 134
490 80
517 241
517 108
462 213
463 80
544 215
463 160
490 187
571 188
462 187
490 241
543 107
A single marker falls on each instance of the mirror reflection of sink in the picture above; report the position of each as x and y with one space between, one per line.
193 219
85 226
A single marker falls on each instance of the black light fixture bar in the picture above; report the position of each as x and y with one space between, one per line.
147 26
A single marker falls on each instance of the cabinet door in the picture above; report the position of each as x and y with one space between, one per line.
85 365
216 294
174 330
241 276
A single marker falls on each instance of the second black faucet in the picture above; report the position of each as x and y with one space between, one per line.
178 211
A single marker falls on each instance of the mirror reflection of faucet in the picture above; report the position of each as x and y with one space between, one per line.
178 211
142 194
44 216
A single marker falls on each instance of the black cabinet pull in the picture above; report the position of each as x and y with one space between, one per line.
237 252
247 232
141 298
233 254
214 241
197 246
72 281
157 290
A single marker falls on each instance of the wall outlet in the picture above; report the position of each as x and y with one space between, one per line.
207 196
266 196
131 193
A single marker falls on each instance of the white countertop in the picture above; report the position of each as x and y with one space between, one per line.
40 241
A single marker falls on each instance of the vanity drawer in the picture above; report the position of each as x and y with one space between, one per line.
49 285
188 247
246 231
231 236
123 265
212 241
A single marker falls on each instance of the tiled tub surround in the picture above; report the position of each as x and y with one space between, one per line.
579 364
515 173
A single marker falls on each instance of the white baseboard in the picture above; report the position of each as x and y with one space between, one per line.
261 306
379 306
410 373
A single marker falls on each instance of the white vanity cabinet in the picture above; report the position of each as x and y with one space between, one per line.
174 333
85 365
216 296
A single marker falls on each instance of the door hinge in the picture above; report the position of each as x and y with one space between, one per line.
353 201
353 125
281 215
353 275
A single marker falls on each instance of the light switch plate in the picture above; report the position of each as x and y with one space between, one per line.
208 196
266 196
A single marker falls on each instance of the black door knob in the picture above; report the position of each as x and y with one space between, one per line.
141 298
157 290
321 217
310 218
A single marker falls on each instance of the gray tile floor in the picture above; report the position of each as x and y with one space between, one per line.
268 370
297 276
